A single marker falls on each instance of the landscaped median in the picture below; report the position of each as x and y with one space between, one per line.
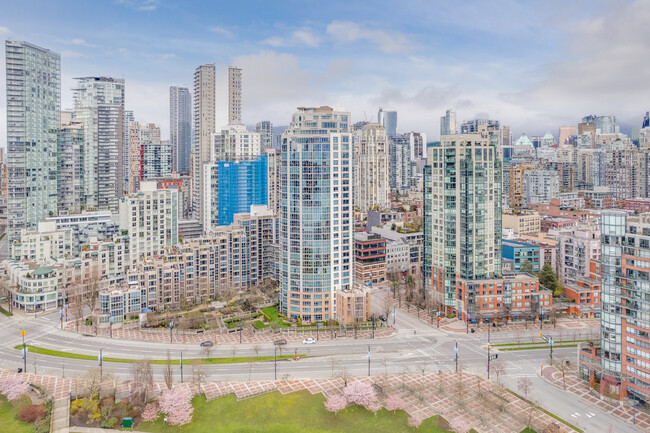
232 360
508 347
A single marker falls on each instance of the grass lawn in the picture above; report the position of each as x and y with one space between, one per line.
8 421
235 360
271 314
556 346
298 412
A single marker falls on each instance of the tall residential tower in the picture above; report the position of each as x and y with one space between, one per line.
234 95
33 120
204 127
180 127
317 213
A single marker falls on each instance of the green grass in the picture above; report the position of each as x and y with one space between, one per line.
8 421
528 430
555 346
537 343
552 415
234 360
298 412
5 312
272 315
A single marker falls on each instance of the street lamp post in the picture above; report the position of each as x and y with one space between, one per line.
240 331
100 358
541 318
489 357
110 324
456 352
275 363
22 334
394 310
171 328
181 366
61 317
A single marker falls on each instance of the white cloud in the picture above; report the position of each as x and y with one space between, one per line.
389 42
166 56
140 5
221 31
607 68
81 42
149 102
69 54
4 30
302 36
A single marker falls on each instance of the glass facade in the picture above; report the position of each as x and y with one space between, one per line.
33 120
316 217
241 184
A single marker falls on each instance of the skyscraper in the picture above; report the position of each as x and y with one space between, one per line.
180 127
234 95
448 123
127 119
70 167
33 120
234 142
316 217
624 323
388 119
399 162
204 126
371 183
417 145
462 212
99 104
265 128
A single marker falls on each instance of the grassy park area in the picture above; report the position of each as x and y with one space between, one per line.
8 421
298 412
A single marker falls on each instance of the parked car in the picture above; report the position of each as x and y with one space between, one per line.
308 341
280 342
207 344
382 318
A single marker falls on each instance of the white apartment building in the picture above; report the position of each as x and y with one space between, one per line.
540 186
150 220
234 143
371 180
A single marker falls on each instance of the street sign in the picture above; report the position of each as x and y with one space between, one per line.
23 351
493 357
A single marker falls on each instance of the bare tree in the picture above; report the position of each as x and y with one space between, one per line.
564 366
332 364
256 349
198 374
167 372
525 386
76 302
207 352
91 381
142 380
498 368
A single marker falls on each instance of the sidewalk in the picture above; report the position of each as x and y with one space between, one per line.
581 389
247 336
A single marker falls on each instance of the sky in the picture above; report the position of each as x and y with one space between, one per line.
533 65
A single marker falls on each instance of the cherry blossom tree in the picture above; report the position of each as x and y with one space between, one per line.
374 406
394 402
360 393
415 420
459 425
176 404
13 387
336 403
150 412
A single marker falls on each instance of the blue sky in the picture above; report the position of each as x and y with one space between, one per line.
534 65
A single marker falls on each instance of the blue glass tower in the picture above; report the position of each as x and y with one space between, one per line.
241 184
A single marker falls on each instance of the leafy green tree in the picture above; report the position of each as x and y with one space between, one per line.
526 266
548 279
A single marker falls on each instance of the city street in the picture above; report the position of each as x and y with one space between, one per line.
416 347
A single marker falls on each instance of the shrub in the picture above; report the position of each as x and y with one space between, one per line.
32 413
76 406
110 423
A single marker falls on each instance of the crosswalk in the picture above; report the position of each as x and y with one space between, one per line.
587 414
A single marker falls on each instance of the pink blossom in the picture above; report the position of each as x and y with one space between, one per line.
459 425
150 412
336 403
394 402
360 393
176 404
374 406
13 387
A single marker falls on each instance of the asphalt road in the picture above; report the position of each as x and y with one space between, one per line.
416 347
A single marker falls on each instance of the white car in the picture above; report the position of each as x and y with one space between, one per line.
308 341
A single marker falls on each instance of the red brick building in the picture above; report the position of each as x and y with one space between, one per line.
370 258
585 293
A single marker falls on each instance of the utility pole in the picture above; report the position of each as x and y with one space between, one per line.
240 331
456 350
100 358
368 360
171 328
110 324
489 357
61 317
541 318
181 366
317 326
22 333
275 363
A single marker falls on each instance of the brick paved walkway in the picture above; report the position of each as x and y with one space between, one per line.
484 404
163 335
581 388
